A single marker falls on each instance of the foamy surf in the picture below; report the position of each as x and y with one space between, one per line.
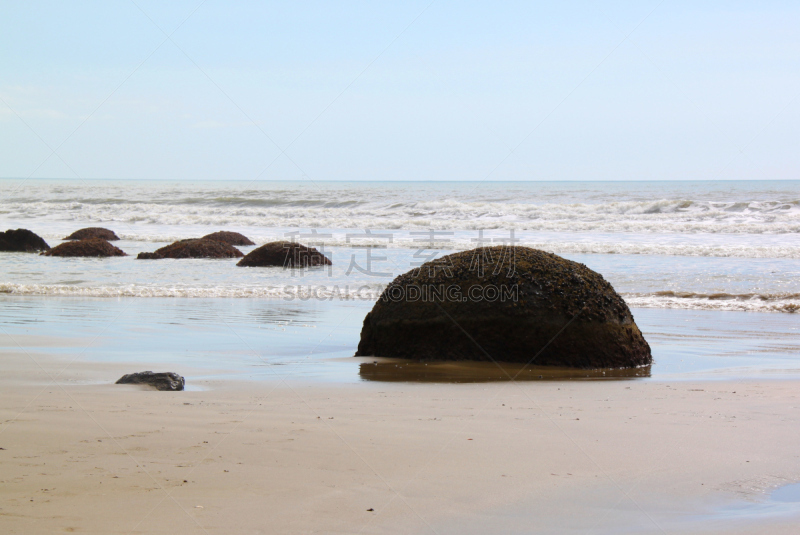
661 244
402 240
751 302
682 208
287 292
787 303
639 217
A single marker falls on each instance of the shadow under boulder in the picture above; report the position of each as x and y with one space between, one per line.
201 248
231 238
93 232
159 381
505 304
284 254
413 371
95 247
21 241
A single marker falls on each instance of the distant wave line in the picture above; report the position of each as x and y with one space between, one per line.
748 302
460 244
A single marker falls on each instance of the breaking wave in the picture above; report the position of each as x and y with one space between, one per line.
748 302
582 207
460 243
673 216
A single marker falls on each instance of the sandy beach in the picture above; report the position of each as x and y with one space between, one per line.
286 456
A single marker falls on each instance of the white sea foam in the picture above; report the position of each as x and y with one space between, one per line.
709 250
778 302
748 208
788 303
288 292
676 229
640 216
642 246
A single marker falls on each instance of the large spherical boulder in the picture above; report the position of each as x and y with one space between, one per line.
194 249
284 254
93 232
511 304
91 247
21 241
231 238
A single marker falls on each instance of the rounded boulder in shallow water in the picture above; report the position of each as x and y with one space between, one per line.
95 247
231 238
509 304
93 232
22 241
194 249
284 254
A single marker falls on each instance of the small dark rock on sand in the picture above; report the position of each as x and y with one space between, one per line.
92 247
231 238
505 304
93 232
21 241
159 381
284 254
201 248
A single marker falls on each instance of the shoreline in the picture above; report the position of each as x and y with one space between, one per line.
254 339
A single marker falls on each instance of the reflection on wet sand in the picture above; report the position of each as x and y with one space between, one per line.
398 370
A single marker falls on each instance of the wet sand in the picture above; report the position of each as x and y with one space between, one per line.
315 340
388 457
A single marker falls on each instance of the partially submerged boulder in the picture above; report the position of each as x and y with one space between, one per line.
159 381
21 241
507 304
93 232
91 247
201 248
148 256
231 238
284 254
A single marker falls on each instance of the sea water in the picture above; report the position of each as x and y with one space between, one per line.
710 269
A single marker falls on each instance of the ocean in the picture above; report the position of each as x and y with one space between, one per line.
703 248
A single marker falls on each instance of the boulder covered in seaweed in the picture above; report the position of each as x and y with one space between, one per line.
92 247
201 248
22 241
148 256
505 304
231 238
284 254
93 232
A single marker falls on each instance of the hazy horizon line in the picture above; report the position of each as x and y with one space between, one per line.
309 181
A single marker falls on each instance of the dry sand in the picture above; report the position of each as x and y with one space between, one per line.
291 457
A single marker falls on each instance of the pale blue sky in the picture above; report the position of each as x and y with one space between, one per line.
407 91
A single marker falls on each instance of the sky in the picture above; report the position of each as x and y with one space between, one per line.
416 90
